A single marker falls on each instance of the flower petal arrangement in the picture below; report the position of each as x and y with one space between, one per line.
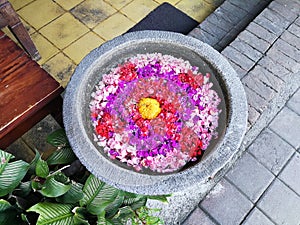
155 112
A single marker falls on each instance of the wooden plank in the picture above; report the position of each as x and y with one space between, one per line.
25 87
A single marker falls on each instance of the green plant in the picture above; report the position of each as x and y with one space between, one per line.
59 190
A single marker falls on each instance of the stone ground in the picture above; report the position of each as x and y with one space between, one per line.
262 187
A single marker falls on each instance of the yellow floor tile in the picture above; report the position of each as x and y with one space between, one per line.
61 68
45 48
118 4
68 4
198 10
29 28
92 12
64 30
138 9
40 12
17 4
114 26
80 48
172 2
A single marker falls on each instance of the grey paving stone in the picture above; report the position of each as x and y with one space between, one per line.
297 21
256 217
198 217
260 6
216 19
274 67
244 22
281 204
213 29
270 150
21 150
40 132
229 37
261 32
229 17
237 11
255 100
250 177
286 124
240 72
246 4
253 115
294 29
290 174
266 77
288 49
268 25
237 57
294 102
204 36
219 17
283 60
254 41
283 10
275 18
258 86
291 39
246 49
293 5
218 47
226 204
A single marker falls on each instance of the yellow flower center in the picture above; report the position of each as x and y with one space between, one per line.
149 108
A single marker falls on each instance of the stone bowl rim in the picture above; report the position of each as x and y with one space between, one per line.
157 184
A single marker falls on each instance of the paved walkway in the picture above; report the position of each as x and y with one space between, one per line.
264 185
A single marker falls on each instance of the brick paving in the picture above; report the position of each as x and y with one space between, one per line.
222 26
263 186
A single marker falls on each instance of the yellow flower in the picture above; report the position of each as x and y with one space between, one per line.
149 108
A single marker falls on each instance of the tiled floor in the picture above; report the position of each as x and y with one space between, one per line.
64 31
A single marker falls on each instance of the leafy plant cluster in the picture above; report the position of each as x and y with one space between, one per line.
60 191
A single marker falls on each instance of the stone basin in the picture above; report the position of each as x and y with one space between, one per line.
232 120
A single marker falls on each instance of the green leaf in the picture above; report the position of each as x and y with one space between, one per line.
41 169
124 214
64 155
10 173
58 138
4 205
145 215
23 189
135 202
53 187
73 195
36 183
4 159
80 214
59 176
97 195
8 214
113 207
103 221
32 166
53 213
162 198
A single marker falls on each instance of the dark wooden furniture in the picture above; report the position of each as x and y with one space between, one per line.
27 92
9 18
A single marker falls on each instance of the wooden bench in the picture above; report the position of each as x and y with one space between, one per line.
27 93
